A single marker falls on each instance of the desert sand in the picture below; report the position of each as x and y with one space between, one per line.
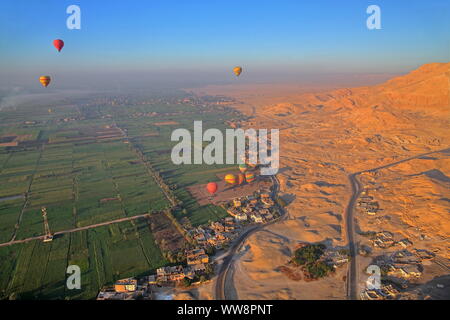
328 134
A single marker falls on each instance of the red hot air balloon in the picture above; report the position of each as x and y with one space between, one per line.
241 178
211 187
59 44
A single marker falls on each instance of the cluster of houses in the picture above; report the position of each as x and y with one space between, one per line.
196 259
216 235
385 239
404 264
399 268
368 205
124 289
400 264
258 208
131 288
386 292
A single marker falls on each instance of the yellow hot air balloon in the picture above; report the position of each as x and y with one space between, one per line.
237 71
45 80
230 178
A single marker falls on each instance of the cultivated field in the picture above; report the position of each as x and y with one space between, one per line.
82 160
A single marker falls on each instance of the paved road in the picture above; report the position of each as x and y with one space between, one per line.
10 243
353 271
228 260
352 279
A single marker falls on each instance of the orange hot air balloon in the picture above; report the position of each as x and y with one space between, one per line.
249 177
230 178
243 167
59 44
237 71
45 80
211 187
241 178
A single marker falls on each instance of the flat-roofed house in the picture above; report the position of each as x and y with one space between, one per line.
126 285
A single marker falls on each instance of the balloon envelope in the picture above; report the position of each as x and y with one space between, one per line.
241 178
237 71
211 187
249 177
44 80
242 167
230 178
59 44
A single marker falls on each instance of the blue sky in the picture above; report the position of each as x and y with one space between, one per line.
210 36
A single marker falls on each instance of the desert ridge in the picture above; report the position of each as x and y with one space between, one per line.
324 137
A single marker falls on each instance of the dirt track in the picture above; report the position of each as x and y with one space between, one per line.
10 243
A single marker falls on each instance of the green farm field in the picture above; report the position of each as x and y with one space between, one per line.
81 161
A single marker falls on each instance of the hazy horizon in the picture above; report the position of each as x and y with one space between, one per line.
199 43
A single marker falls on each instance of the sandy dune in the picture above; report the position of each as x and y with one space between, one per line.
325 135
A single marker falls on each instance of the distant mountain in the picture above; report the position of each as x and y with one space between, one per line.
421 93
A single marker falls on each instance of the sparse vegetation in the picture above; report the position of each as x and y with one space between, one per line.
308 254
308 258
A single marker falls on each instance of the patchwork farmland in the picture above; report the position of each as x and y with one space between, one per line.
89 162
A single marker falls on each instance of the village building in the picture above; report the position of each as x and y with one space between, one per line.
404 271
228 221
268 216
424 254
404 243
217 226
405 256
151 279
175 273
198 268
197 256
125 285
256 218
372 295
238 216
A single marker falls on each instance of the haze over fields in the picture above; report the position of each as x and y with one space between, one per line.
327 135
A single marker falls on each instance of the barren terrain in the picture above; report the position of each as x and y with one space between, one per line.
325 136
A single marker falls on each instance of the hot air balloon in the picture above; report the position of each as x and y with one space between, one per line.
59 44
243 167
237 71
230 178
211 187
249 177
45 80
241 178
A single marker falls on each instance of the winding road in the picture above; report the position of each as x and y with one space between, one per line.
228 261
352 279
